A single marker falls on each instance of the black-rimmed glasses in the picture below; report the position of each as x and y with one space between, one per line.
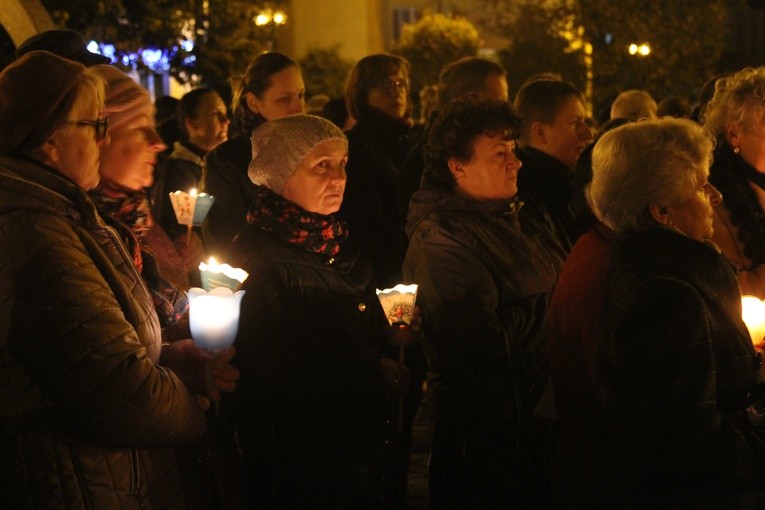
101 125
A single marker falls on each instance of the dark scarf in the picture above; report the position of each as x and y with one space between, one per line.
288 221
132 211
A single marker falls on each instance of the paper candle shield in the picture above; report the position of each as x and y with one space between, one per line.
398 303
214 317
191 208
753 313
221 275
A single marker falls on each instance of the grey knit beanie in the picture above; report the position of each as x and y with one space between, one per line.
279 146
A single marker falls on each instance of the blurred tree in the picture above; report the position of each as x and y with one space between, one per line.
434 41
685 39
223 31
325 71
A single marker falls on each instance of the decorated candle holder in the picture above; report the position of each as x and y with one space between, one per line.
191 208
221 275
398 303
214 317
753 313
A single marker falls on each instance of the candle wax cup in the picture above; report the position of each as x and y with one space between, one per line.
214 317
191 209
398 303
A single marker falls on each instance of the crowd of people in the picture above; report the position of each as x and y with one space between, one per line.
578 324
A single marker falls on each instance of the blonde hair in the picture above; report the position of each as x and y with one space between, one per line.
658 161
739 98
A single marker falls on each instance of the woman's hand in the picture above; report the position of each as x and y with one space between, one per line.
202 372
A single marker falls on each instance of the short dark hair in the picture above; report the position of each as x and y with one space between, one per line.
455 130
464 76
188 107
541 101
367 73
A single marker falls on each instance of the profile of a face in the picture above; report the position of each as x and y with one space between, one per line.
318 183
693 217
749 138
492 171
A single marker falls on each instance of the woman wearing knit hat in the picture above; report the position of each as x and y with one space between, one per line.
316 397
88 418
271 88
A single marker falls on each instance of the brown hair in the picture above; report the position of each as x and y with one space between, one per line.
367 73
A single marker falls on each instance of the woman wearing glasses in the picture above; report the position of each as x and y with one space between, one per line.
88 418
377 97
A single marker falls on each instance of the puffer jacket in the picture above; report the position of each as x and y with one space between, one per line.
86 417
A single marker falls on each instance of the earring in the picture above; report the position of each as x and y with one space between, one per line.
736 150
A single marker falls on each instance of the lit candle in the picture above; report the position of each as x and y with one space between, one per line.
398 303
191 208
214 316
221 275
753 313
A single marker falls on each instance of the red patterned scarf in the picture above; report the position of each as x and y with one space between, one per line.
288 221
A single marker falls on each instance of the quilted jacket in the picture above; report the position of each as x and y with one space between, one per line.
87 418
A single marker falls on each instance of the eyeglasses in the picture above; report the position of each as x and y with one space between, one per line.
101 126
393 86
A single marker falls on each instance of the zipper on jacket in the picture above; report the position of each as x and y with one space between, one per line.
135 476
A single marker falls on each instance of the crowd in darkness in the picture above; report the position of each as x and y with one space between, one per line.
577 332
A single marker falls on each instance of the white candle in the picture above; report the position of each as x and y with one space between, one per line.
214 316
753 313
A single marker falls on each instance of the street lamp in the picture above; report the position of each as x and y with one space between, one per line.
642 50
270 16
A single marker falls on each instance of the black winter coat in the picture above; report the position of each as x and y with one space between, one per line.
677 370
483 288
377 147
313 419
545 185
227 180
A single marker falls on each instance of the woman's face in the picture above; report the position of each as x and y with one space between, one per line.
391 95
694 216
78 149
129 160
751 142
210 126
285 96
492 172
318 183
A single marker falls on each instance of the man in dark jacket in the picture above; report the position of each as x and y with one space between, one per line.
553 134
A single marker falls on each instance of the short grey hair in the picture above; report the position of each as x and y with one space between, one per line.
652 161
739 98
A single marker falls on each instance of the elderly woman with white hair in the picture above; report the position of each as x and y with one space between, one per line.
677 369
313 421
